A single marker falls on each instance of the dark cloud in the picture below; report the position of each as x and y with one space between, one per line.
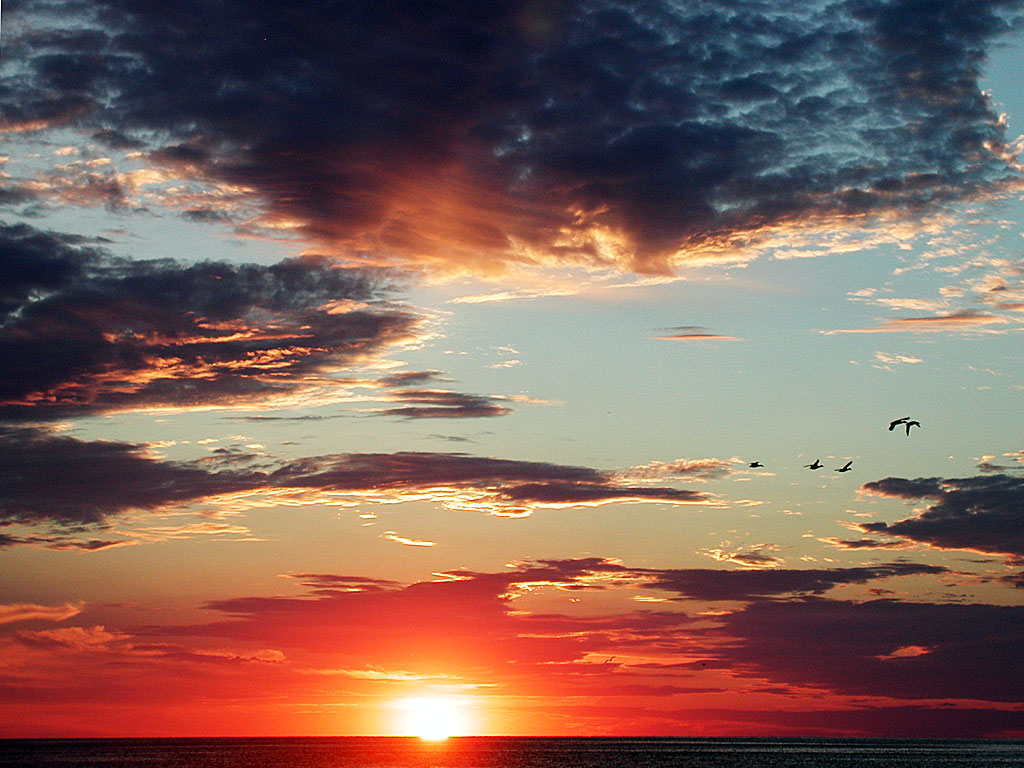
83 332
444 133
59 543
206 216
498 486
326 583
423 403
37 263
983 513
440 404
118 140
903 650
706 584
404 378
33 114
105 478
86 333
48 478
15 195
863 543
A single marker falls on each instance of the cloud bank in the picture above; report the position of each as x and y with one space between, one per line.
627 134
102 479
82 333
983 513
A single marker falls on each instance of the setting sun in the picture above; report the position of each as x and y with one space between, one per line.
434 718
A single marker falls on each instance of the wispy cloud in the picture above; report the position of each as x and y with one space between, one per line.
691 333
955 321
13 612
392 536
886 361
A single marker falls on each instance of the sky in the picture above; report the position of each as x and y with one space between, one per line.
569 367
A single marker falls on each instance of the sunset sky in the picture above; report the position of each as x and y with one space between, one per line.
361 361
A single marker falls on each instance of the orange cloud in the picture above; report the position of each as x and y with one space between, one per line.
956 321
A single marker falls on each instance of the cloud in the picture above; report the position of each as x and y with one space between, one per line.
37 263
955 321
706 584
983 513
632 135
62 543
392 536
972 648
691 469
97 479
459 481
886 361
444 404
852 544
105 478
73 639
692 333
87 333
13 612
757 557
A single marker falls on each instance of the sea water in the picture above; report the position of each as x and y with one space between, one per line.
509 752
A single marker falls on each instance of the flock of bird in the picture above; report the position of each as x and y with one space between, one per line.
905 421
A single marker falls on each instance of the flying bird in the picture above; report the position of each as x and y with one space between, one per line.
912 424
893 424
755 464
845 467
816 465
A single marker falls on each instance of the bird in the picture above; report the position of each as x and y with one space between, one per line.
910 424
892 424
845 467
816 465
755 464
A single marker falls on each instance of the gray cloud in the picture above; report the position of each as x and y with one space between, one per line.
102 479
440 403
983 513
706 584
82 332
86 333
96 480
663 126
904 650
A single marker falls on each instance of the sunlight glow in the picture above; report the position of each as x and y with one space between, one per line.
434 718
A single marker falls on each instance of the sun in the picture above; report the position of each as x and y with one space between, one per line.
434 718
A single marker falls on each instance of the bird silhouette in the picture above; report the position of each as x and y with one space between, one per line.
816 465
755 464
910 424
893 424
845 467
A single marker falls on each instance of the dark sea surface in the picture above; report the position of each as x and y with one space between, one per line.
510 752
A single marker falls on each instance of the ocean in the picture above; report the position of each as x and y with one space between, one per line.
509 752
